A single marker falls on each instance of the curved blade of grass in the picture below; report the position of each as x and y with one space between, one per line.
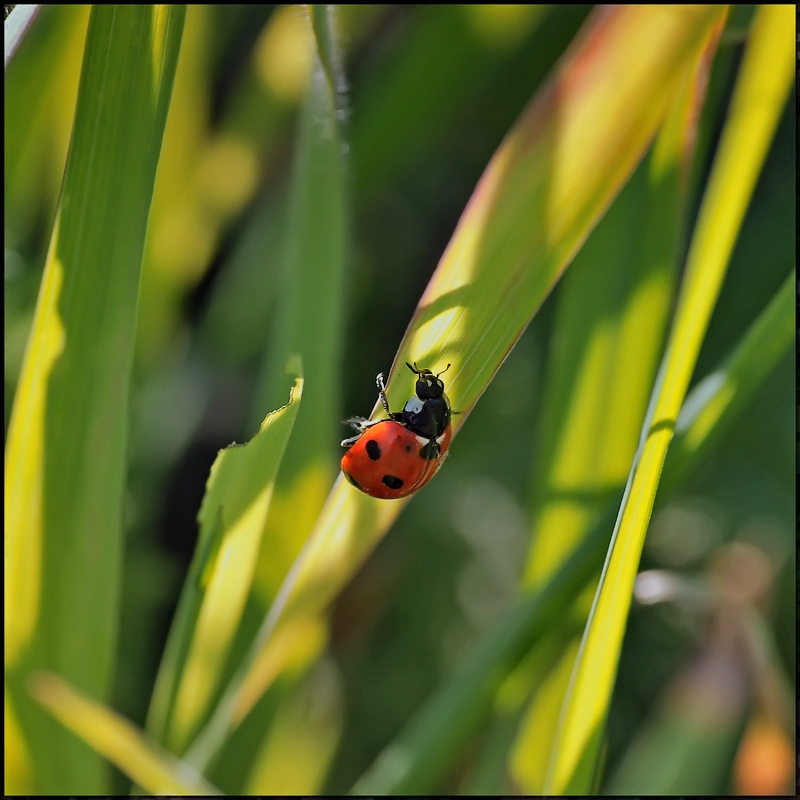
609 334
758 98
519 229
118 740
65 456
426 748
232 519
542 192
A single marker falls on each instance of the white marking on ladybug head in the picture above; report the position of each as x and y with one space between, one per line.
414 405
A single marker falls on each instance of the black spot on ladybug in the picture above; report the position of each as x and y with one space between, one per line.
373 450
430 450
409 448
352 480
392 481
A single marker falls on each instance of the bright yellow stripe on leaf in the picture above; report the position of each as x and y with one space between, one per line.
119 741
221 611
25 465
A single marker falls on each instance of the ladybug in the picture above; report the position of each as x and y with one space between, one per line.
391 458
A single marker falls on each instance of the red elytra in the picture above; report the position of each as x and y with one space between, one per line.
395 457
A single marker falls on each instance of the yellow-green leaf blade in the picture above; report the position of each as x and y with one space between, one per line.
232 519
761 90
118 740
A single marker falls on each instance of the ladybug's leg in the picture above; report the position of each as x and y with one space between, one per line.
359 424
356 423
382 392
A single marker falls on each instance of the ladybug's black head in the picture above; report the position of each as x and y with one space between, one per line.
429 385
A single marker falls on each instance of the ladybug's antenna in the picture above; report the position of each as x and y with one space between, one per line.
417 371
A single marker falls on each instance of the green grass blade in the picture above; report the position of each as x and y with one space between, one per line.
232 519
517 232
65 456
758 99
157 771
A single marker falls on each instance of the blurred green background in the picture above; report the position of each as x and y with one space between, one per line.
431 91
